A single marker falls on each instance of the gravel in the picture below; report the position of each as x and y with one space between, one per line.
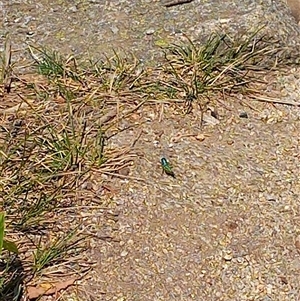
227 228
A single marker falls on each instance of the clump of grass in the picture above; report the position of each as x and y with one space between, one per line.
114 74
49 149
200 72
53 65
39 166
217 65
56 250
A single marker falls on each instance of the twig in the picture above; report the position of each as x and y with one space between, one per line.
169 3
7 77
275 100
136 139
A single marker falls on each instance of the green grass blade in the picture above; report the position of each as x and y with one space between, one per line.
10 246
1 230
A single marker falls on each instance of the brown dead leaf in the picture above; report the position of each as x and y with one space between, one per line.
34 292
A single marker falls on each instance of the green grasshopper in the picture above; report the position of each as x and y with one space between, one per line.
167 168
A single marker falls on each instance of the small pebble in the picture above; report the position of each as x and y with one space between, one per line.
228 256
243 115
73 9
150 31
124 253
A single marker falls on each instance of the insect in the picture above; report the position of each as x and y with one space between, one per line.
167 168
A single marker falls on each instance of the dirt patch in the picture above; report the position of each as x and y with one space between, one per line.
227 226
224 228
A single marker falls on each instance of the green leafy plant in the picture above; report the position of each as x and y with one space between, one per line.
4 243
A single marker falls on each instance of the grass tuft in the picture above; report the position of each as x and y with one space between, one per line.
220 65
56 250
53 144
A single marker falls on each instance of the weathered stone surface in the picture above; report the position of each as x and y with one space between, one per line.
294 5
139 26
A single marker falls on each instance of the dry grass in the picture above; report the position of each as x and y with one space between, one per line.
54 136
56 125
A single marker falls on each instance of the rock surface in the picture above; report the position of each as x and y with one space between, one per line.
94 28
